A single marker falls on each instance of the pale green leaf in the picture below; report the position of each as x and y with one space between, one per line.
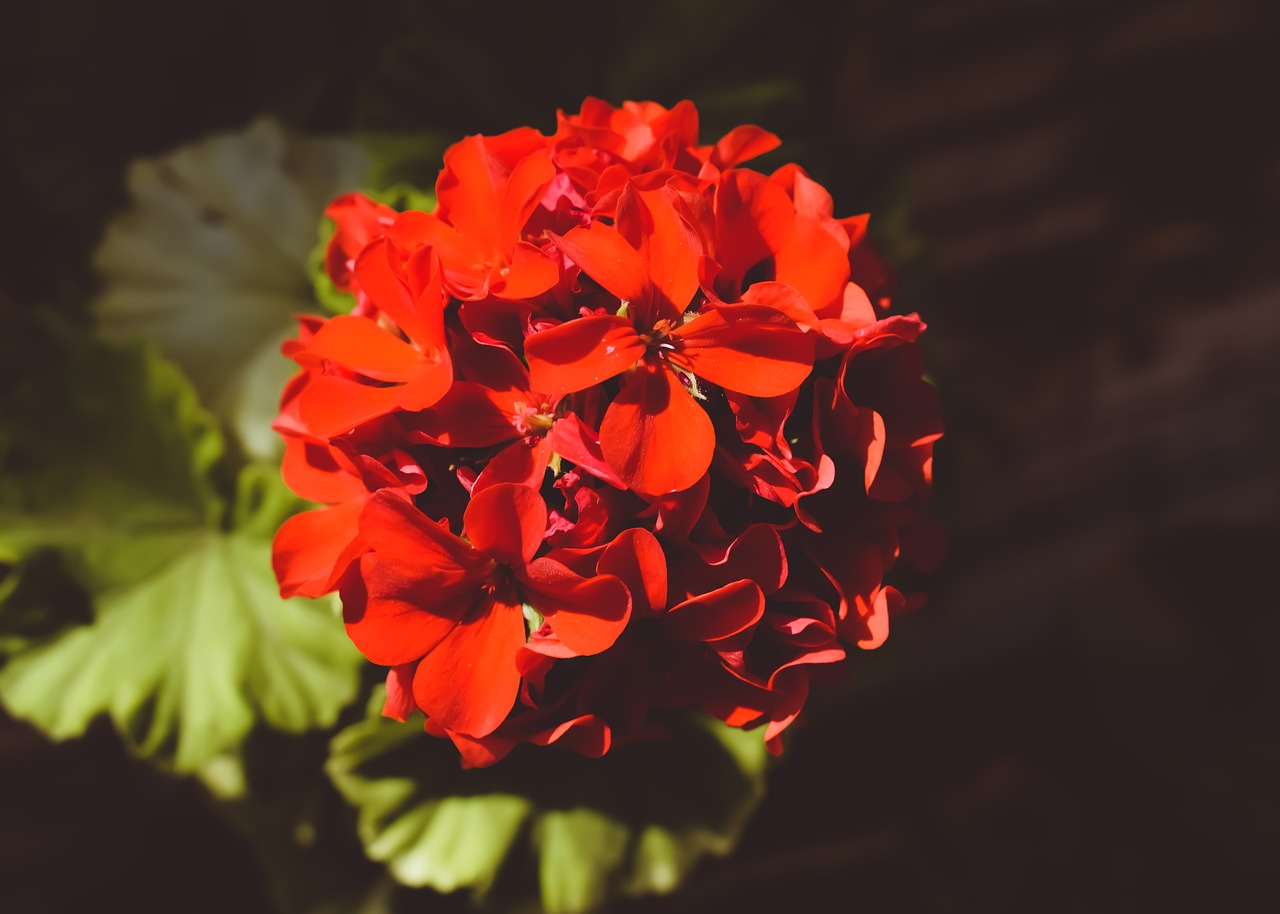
188 656
579 850
587 830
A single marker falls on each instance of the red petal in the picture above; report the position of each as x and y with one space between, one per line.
470 415
330 405
524 188
587 614
400 532
721 613
655 435
469 682
574 440
580 353
636 558
523 462
815 263
399 703
318 472
308 550
393 614
742 143
753 219
530 273
461 257
671 250
507 522
605 256
469 191
754 351
361 345
378 274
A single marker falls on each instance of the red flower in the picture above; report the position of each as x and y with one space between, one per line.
487 192
456 605
654 435
360 369
619 429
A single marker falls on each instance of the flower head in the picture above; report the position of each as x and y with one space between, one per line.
612 432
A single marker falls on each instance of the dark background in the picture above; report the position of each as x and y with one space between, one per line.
1082 198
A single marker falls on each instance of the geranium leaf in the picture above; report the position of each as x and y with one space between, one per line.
210 261
111 484
99 445
579 850
633 822
186 658
427 836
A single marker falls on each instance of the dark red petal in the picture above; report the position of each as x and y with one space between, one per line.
742 143
507 522
587 614
469 415
721 613
636 558
574 440
655 435
399 703
482 752
581 353
393 616
587 735
469 682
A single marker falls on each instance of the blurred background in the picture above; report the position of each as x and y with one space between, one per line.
1082 199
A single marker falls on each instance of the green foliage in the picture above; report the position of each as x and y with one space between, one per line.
113 478
189 656
99 445
633 822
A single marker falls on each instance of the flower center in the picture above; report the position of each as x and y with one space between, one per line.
532 420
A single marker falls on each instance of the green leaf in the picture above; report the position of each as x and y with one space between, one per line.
209 262
187 657
427 838
579 851
111 488
99 445
587 830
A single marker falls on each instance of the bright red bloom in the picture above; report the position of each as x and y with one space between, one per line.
745 348
619 429
487 192
456 606
361 370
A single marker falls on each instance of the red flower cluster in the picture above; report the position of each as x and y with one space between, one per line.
620 428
